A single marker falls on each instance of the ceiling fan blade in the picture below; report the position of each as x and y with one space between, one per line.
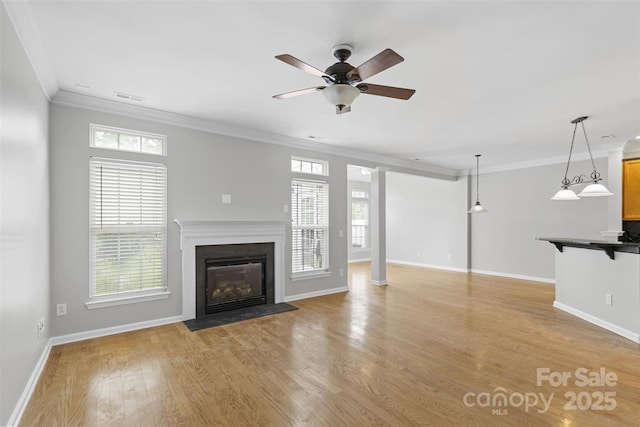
388 91
288 59
299 92
385 59
345 109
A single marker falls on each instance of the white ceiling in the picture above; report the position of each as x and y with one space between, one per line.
501 78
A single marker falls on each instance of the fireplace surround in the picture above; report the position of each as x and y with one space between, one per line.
194 233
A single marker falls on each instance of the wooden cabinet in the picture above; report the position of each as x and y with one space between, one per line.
631 190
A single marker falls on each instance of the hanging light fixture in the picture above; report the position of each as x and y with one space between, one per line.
477 208
594 189
341 95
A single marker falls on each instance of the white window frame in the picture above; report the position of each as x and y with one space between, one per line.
362 200
93 128
312 272
157 226
322 164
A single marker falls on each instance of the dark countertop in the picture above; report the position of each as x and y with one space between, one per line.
610 247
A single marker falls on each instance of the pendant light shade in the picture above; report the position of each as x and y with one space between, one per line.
594 189
341 94
477 208
565 194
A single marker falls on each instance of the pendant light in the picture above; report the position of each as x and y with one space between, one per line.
477 208
594 189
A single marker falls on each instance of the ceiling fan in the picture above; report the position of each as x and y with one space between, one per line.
344 81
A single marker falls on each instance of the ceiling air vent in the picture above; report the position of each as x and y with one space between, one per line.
129 97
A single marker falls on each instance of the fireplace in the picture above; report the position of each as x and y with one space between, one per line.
201 233
233 276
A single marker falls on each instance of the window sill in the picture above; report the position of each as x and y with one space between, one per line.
310 275
129 299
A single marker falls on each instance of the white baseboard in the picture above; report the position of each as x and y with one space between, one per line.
379 282
515 276
464 270
323 292
353 261
598 322
97 333
18 411
437 267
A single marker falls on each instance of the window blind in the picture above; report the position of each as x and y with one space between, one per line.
310 225
128 211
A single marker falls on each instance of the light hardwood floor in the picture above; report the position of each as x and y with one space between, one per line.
407 354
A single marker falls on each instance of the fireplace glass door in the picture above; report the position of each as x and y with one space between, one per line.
235 283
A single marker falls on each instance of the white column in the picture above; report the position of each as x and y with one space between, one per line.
378 226
614 206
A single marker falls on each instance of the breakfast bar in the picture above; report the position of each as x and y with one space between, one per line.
599 281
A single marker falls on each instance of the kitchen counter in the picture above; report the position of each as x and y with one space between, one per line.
609 247
601 289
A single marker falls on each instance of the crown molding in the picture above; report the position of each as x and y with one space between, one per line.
77 100
20 17
536 163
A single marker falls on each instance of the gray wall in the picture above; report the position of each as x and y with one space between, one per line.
426 221
24 228
201 167
520 209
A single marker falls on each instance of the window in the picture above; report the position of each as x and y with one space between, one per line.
128 140
310 226
128 228
314 167
359 219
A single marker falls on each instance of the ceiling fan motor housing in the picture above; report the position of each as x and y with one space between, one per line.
338 71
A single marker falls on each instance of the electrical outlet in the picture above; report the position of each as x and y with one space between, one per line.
342 272
61 310
608 299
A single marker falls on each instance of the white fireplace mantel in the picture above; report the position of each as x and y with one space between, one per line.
213 232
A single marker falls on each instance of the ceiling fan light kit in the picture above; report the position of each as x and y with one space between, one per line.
594 189
343 80
341 95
